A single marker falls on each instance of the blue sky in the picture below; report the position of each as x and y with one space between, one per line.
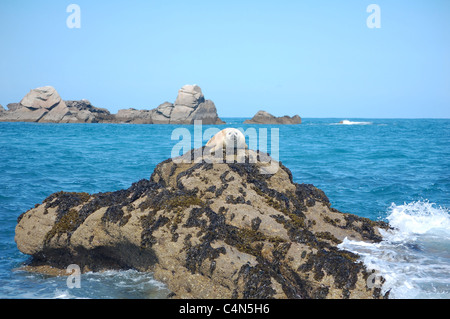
314 58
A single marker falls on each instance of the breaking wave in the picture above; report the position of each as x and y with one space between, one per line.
413 257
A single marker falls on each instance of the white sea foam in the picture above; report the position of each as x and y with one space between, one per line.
94 285
419 218
347 122
62 294
414 257
125 282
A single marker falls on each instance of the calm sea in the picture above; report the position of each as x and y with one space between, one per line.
395 170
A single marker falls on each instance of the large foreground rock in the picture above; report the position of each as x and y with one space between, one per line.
262 117
208 231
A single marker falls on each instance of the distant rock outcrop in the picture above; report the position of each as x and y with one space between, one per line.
190 105
134 116
39 105
84 112
45 105
207 230
162 113
262 117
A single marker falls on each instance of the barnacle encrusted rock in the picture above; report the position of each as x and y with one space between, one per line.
208 230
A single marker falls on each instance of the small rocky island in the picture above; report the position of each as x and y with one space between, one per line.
207 230
263 117
44 105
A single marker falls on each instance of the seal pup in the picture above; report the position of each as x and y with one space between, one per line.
227 139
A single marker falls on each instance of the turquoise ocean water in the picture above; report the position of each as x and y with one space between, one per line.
395 170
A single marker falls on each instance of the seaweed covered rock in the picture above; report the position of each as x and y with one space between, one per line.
208 230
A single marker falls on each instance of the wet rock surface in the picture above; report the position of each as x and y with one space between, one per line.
207 230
